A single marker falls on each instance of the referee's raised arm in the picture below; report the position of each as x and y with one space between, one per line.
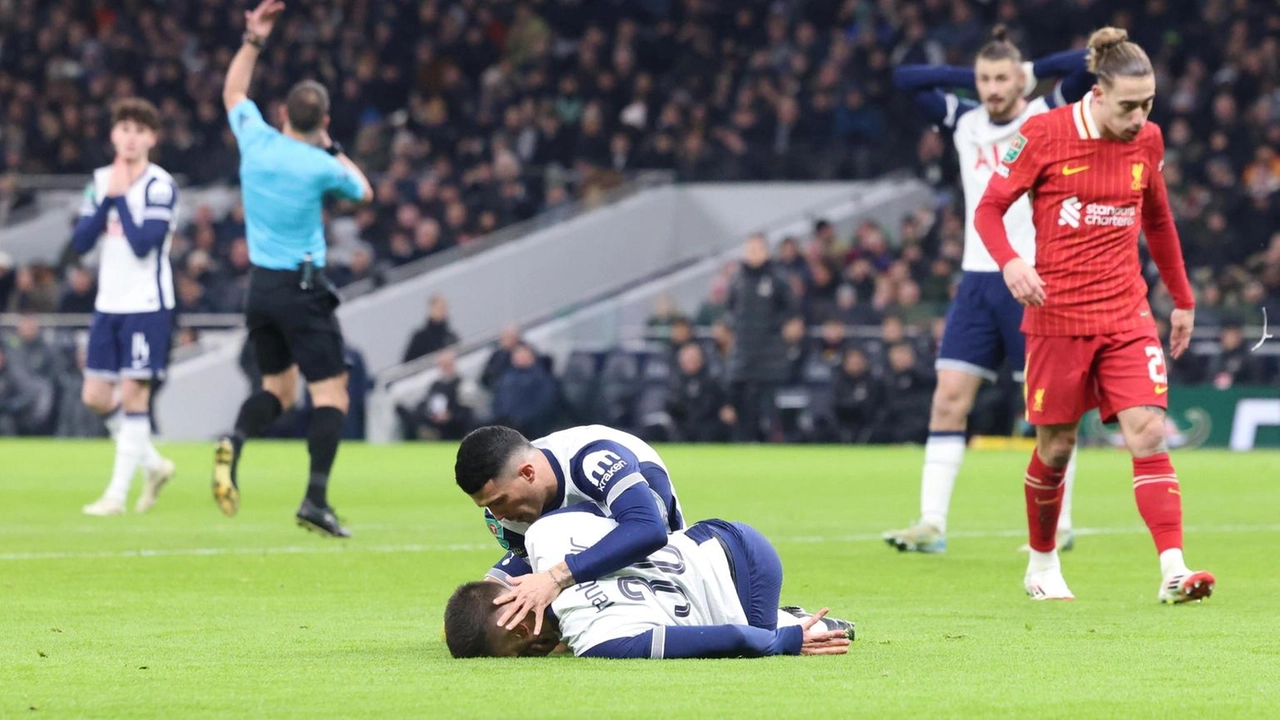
258 24
291 306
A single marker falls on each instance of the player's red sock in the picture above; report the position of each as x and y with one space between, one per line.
1043 487
1155 487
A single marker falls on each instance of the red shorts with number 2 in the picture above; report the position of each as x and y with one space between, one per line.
1068 376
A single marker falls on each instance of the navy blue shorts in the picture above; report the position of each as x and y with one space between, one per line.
756 567
129 345
984 328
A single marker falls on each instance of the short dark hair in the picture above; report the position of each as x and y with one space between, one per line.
307 105
469 627
136 110
483 454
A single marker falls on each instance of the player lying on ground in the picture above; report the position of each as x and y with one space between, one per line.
128 212
518 481
983 328
710 592
1093 171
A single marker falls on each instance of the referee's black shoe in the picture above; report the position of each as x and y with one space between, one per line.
321 519
225 490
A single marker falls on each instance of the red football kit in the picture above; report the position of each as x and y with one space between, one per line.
1093 343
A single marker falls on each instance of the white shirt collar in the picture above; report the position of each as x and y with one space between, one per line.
1086 126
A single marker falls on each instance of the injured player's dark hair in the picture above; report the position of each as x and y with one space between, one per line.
470 620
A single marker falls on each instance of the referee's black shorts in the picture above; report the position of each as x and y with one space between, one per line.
288 324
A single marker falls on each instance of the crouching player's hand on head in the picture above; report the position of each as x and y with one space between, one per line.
532 593
820 641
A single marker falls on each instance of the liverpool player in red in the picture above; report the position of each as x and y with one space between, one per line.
1093 171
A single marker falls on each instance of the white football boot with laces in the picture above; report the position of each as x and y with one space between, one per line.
1186 586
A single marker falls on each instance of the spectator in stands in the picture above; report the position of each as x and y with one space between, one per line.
858 398
795 337
1234 364
680 334
665 312
721 348
500 360
80 294
714 307
832 343
436 334
820 292
907 305
910 391
850 311
35 290
359 267
525 396
445 412
16 398
697 402
75 419
31 353
191 296
760 302
790 259
6 279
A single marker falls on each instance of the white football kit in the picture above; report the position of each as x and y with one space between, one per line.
593 464
131 329
685 583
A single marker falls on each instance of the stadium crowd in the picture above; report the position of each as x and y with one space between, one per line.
474 114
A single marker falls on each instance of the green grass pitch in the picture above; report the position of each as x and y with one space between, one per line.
183 613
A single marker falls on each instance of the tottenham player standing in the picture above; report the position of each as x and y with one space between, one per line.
710 591
129 211
982 328
1094 173
517 481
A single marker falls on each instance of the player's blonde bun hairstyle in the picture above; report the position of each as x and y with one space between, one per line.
1112 55
1000 47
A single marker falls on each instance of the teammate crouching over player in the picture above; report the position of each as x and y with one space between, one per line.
711 592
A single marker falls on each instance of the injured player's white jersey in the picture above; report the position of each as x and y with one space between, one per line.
684 583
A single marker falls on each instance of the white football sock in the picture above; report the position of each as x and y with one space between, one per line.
1171 563
151 458
943 453
112 422
1043 561
1069 482
131 449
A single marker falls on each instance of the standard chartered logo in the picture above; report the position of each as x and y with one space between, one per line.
1095 214
1070 214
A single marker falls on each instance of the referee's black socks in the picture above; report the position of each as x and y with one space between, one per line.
256 415
322 443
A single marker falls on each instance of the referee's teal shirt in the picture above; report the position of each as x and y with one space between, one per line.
283 182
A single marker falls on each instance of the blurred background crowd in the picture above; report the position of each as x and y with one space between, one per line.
472 115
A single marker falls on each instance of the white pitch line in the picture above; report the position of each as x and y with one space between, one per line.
1138 530
335 547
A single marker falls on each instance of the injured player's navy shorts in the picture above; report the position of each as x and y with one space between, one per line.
754 563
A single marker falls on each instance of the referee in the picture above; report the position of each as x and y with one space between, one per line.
284 177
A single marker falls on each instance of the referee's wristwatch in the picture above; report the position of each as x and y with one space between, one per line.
334 149
255 40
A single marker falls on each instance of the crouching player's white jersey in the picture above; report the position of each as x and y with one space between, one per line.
684 583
